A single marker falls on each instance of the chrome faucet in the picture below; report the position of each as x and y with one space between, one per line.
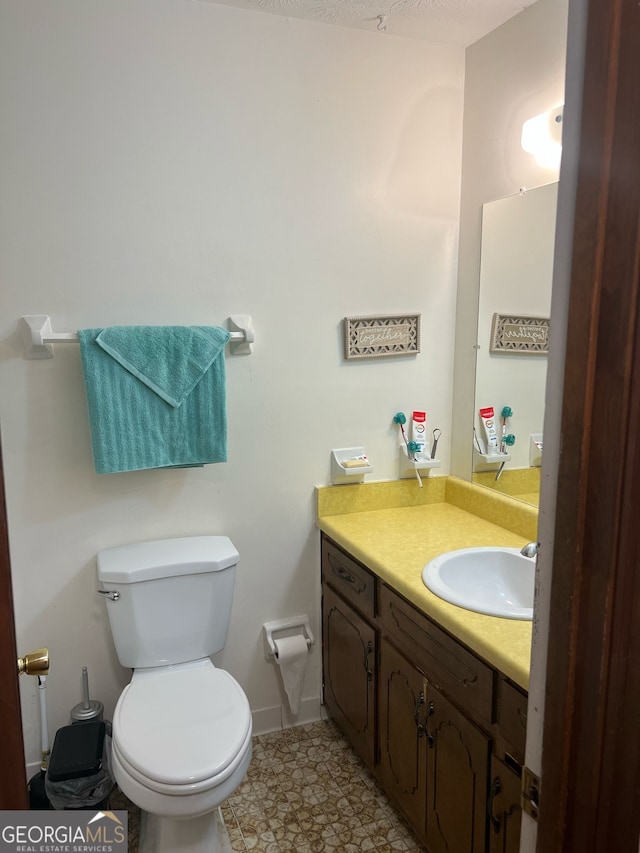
530 550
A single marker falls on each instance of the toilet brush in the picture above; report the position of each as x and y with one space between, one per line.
88 709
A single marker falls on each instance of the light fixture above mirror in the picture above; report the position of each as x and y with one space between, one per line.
542 137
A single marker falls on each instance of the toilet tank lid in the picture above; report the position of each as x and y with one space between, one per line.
164 558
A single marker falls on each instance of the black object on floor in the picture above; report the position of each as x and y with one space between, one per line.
38 800
78 776
77 751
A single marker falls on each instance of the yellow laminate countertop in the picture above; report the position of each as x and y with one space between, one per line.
396 542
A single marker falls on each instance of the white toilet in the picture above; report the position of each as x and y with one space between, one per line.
181 728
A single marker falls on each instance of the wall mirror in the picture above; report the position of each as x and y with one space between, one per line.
516 268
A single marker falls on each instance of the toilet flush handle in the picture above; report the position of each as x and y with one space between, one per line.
111 594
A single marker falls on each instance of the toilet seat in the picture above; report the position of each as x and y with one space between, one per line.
183 729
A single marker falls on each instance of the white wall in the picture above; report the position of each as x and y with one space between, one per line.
174 162
514 73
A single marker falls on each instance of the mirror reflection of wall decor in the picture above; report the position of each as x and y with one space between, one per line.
516 268
519 334
381 335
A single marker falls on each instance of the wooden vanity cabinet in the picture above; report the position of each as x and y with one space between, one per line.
403 723
442 731
504 810
433 760
457 764
349 649
447 664
449 809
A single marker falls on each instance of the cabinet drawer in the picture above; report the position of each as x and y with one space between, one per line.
460 674
354 583
512 718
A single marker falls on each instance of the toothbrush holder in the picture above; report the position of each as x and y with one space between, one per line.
408 467
486 461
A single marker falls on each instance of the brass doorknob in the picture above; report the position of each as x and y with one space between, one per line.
35 663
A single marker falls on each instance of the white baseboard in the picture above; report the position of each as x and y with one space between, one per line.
279 717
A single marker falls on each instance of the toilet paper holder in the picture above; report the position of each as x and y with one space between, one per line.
281 628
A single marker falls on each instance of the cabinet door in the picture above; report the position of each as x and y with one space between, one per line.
504 810
402 734
348 663
511 718
457 773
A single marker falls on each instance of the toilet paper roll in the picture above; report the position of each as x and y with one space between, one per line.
292 660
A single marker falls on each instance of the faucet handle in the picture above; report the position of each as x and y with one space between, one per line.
530 550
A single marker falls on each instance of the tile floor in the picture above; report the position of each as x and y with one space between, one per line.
306 792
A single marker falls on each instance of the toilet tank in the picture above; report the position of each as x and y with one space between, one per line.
174 598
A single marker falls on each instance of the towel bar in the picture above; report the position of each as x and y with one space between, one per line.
38 336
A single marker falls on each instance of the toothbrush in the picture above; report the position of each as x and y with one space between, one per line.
507 441
400 418
412 446
507 412
412 450
476 441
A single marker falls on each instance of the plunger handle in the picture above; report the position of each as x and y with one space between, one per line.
85 688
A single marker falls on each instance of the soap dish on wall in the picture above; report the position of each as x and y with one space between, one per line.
408 467
349 465
535 450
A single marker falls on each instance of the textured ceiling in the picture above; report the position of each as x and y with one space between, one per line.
451 21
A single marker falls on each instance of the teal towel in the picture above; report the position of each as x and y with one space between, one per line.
156 396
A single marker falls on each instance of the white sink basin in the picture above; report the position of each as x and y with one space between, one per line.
494 581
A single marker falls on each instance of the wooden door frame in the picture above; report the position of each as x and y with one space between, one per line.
13 780
590 788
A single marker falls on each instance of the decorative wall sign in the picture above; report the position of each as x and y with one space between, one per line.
519 335
381 335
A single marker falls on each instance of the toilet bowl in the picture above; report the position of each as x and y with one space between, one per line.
201 718
181 740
